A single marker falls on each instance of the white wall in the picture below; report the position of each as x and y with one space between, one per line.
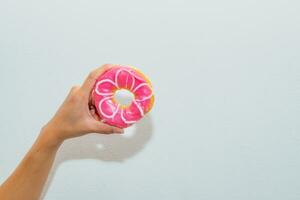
226 76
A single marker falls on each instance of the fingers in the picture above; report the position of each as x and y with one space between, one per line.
99 127
94 113
89 82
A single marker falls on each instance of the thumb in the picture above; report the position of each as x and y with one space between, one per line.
100 127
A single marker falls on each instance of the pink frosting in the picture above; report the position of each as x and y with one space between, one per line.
122 78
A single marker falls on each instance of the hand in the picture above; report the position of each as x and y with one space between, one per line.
77 116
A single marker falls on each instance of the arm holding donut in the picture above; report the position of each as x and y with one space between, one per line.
76 117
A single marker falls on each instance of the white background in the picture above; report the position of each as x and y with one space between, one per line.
226 75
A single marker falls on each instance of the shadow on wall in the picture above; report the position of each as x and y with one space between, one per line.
110 148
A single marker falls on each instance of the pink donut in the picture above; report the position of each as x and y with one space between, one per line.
117 78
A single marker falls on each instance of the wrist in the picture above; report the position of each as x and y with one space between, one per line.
49 137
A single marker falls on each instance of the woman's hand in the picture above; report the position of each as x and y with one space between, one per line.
77 116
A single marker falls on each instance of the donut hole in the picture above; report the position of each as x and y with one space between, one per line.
123 97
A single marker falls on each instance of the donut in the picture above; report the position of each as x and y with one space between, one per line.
116 79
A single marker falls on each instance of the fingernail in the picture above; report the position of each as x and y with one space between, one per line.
119 131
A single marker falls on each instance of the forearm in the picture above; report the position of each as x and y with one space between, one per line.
76 117
27 181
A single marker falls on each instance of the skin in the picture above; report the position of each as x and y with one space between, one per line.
75 117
